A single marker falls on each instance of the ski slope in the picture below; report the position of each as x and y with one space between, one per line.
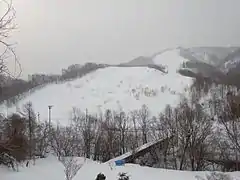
115 88
51 169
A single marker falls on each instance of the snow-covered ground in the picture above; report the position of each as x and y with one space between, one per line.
115 88
52 169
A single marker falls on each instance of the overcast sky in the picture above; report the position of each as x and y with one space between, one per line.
53 34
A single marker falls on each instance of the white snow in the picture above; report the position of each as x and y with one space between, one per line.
51 169
231 64
115 88
171 60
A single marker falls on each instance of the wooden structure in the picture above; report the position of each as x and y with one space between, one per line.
130 157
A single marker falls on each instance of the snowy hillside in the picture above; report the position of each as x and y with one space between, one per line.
210 55
115 88
44 170
231 62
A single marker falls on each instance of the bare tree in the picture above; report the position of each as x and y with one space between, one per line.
194 129
64 141
42 139
135 129
122 125
163 128
31 116
97 141
88 133
71 166
230 122
143 122
86 126
110 138
7 25
13 142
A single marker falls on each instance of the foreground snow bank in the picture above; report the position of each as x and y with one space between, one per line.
52 169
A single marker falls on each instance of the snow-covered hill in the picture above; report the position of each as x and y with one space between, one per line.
232 62
210 55
51 169
115 88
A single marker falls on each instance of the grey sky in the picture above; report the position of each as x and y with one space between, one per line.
56 33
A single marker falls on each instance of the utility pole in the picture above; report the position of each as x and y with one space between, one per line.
38 117
49 116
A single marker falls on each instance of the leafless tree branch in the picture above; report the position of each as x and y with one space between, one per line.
7 25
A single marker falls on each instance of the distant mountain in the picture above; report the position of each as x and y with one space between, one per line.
210 55
202 61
